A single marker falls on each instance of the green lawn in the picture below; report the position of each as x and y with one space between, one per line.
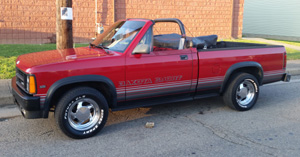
292 54
9 53
296 43
245 41
7 67
9 50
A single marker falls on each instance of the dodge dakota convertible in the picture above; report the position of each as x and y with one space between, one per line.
129 66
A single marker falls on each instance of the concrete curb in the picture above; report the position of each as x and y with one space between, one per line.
293 67
294 72
7 99
5 93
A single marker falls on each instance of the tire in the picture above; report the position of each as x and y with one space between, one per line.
242 92
81 112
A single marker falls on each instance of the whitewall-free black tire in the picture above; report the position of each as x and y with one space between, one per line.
242 92
81 112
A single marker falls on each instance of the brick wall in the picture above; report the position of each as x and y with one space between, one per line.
26 21
33 21
237 18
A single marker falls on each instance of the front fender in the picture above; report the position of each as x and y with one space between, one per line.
78 79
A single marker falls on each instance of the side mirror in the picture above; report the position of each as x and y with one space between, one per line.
141 48
181 43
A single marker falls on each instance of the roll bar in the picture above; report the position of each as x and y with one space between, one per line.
174 20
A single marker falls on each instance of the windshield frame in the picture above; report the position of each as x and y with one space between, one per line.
102 38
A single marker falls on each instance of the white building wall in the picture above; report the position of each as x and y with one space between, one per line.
272 17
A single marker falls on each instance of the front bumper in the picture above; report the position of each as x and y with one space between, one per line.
286 77
28 105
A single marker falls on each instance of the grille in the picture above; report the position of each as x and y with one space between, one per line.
21 79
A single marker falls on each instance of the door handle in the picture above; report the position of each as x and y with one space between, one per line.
183 57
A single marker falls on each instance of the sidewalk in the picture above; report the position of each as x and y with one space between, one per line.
272 42
293 68
5 93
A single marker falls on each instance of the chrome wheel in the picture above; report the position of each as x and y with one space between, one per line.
84 114
245 93
242 91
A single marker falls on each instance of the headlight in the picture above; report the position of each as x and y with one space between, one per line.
31 85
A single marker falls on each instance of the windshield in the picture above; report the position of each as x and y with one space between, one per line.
121 36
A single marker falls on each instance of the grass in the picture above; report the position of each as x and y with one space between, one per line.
7 67
292 54
295 43
245 41
10 52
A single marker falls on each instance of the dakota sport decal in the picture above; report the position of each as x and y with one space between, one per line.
149 81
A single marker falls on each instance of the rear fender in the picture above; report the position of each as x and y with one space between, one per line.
238 67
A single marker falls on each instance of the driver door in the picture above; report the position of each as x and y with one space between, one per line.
157 73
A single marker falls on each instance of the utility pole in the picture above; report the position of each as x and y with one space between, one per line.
64 18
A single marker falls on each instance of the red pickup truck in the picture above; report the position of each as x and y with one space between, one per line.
128 66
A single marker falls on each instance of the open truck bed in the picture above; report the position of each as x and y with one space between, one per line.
203 43
223 45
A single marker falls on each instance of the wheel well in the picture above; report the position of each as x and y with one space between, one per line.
256 72
101 87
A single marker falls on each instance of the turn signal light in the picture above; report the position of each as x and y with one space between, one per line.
32 85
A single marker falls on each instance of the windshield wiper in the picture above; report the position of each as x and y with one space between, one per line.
99 46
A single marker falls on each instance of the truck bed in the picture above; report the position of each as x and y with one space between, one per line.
203 43
225 45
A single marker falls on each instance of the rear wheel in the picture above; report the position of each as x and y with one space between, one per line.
242 92
81 112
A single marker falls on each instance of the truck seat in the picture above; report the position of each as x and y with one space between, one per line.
205 42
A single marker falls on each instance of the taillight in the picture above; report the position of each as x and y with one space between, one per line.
284 60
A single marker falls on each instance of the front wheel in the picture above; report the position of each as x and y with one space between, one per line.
242 92
81 112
